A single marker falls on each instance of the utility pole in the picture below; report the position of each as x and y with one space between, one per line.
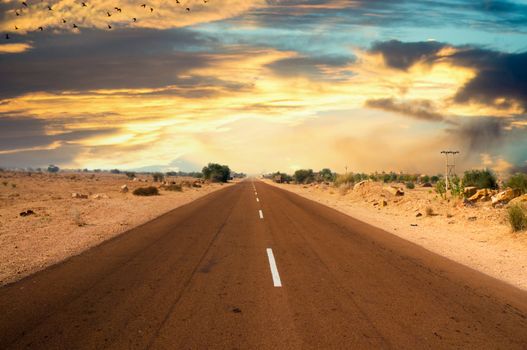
450 166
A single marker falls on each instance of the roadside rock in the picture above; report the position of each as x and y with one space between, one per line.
519 200
504 197
396 191
79 195
27 213
360 185
470 191
124 189
100 196
482 195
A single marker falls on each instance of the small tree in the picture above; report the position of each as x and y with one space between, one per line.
303 176
480 179
115 171
130 174
326 175
216 172
53 168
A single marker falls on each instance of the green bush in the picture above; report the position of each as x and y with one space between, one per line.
304 176
216 172
480 179
441 188
410 185
130 174
518 182
53 169
456 187
517 218
146 191
434 179
174 187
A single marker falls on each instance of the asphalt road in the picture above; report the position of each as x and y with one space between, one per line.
203 277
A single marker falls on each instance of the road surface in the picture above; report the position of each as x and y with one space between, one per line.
255 267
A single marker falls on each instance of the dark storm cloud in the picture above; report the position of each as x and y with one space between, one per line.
401 55
27 132
124 59
499 75
421 109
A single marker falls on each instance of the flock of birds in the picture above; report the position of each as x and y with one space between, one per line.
25 6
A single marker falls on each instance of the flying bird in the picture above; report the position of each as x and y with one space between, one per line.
16 28
63 20
151 9
17 13
7 37
49 8
188 10
41 29
117 9
109 26
75 26
84 4
109 14
135 19
143 5
24 3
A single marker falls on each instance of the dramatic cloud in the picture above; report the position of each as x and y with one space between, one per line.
420 109
157 14
14 48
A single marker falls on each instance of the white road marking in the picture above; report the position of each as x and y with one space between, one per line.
257 199
261 214
274 270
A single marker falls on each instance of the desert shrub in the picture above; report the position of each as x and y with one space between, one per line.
146 191
53 168
158 177
480 179
130 174
216 172
456 187
434 179
115 171
425 179
175 188
518 182
410 185
343 179
517 218
441 188
429 211
4 183
13 185
304 176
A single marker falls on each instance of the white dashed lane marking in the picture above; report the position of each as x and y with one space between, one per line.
274 270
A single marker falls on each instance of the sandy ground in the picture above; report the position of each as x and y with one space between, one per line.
63 226
478 237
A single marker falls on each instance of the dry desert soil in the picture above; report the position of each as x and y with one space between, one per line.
62 226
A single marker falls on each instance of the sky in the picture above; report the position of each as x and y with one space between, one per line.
263 85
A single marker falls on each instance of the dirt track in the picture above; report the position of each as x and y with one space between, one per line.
199 277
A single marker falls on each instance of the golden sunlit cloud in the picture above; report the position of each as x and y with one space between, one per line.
14 48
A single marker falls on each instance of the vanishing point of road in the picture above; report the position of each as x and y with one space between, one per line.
255 267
